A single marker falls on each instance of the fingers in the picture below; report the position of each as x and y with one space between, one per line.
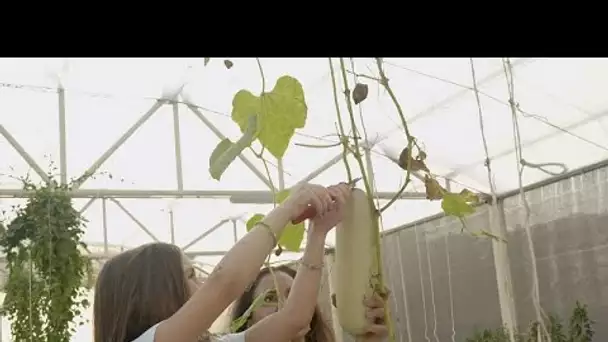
373 314
375 301
320 198
326 199
302 333
340 192
338 195
315 200
377 330
325 196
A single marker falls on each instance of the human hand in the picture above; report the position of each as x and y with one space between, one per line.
305 195
376 330
301 336
322 224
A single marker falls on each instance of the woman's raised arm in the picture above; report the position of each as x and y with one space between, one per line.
293 319
239 267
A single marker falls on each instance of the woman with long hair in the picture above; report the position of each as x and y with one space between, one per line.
316 329
289 299
151 294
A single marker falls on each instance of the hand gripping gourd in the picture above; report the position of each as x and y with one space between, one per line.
355 263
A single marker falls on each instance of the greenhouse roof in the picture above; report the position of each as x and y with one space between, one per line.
560 107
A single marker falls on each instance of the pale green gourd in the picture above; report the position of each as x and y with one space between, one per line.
355 263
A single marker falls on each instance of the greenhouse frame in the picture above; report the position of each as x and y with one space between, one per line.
138 135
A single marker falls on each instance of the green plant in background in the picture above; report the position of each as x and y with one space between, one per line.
47 265
581 325
556 329
489 335
579 330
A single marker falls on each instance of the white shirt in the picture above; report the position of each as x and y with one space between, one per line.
148 336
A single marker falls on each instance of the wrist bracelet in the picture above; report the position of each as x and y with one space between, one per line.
309 266
269 230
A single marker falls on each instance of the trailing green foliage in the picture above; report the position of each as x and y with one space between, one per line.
283 110
272 117
47 265
579 330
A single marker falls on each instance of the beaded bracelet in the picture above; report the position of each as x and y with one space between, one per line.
269 230
310 266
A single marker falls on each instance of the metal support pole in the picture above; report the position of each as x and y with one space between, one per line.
205 234
266 197
104 211
321 169
63 155
87 205
178 148
26 156
502 265
172 226
141 225
221 136
235 196
234 231
91 170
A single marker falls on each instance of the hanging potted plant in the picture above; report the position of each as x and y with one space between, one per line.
47 265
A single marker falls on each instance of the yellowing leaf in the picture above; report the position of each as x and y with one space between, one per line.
434 191
281 111
469 196
292 237
456 205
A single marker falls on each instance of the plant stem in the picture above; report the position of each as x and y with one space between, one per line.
380 286
272 187
343 137
261 75
410 139
396 197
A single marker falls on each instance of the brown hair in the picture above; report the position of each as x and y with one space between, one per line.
136 290
319 329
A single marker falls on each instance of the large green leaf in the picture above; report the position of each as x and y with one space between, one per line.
456 205
281 112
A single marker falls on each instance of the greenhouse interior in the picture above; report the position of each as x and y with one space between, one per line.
489 178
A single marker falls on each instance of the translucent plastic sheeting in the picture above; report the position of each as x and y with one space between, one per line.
562 120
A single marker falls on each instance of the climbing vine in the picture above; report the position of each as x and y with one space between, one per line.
273 117
48 269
